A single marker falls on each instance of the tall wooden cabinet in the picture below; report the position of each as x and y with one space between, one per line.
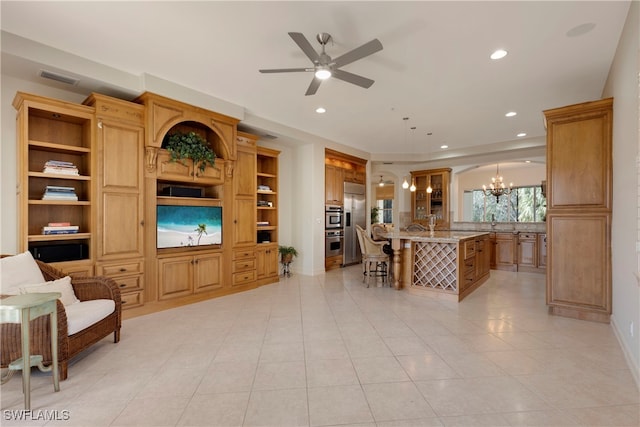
120 195
244 210
267 215
435 203
579 184
51 130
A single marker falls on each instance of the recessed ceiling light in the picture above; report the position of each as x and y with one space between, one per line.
321 110
521 134
511 114
444 146
527 161
498 54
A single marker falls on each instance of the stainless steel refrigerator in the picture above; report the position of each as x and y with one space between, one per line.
354 213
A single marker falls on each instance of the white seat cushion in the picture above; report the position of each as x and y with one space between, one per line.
85 313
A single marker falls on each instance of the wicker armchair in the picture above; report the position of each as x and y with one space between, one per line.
85 288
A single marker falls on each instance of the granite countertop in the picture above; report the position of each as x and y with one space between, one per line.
445 236
503 227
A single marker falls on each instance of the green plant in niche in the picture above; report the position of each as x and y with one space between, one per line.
190 146
287 253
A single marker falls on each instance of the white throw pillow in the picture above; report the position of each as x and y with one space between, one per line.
61 285
18 270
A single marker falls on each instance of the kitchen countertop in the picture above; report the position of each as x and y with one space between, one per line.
444 236
501 227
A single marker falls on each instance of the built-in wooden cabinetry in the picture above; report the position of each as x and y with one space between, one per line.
579 185
115 164
527 251
424 204
338 169
542 250
333 185
52 130
267 215
120 195
505 251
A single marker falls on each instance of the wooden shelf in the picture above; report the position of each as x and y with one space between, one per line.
55 237
58 176
60 202
58 148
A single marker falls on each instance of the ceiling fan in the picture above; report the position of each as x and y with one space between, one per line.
325 67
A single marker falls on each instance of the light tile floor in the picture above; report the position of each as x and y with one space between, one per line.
327 351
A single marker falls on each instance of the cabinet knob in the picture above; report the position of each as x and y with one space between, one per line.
123 285
122 270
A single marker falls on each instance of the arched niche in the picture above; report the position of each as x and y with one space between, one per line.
165 116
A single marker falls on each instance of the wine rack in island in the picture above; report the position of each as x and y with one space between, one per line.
55 181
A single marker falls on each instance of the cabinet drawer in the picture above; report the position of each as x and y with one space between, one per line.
469 265
244 277
240 254
131 299
119 269
527 236
244 264
469 248
129 282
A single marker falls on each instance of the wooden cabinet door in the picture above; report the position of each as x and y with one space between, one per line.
579 156
244 222
527 252
120 214
207 273
244 179
267 261
505 252
334 185
577 268
175 276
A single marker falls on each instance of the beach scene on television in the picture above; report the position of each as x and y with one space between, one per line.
181 226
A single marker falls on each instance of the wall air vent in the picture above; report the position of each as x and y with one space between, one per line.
268 136
59 77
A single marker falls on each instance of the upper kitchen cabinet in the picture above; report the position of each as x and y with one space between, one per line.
341 168
436 202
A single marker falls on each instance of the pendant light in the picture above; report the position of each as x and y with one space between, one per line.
381 183
405 184
429 189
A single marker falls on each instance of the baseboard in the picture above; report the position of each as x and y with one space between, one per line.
635 370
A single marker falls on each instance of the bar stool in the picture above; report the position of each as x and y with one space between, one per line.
22 309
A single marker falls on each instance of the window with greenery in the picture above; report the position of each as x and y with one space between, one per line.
385 211
524 204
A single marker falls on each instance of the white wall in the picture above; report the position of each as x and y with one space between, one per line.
622 85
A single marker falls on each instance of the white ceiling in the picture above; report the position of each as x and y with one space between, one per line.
434 67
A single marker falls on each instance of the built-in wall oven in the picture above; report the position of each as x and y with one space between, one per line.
333 243
333 217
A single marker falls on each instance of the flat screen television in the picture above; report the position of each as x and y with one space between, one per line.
182 226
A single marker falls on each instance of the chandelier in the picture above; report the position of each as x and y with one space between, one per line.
497 187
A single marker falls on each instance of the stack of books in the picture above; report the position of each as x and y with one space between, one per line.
262 223
60 228
55 192
264 188
60 167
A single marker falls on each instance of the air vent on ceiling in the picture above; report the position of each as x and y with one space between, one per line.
59 77
268 136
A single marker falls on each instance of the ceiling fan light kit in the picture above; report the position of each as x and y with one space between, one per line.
324 67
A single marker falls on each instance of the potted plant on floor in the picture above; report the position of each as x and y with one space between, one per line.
192 146
287 253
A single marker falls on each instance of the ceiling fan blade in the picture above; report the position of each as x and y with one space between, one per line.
352 78
287 70
306 47
313 87
360 52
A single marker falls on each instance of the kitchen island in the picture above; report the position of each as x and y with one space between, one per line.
443 264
